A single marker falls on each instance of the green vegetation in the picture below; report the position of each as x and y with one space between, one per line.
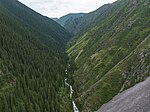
115 53
110 53
70 21
32 61
79 22
38 24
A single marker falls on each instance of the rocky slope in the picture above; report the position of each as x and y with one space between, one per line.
135 99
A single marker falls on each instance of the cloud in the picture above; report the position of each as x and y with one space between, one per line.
58 8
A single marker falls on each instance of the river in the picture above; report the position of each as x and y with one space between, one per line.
71 93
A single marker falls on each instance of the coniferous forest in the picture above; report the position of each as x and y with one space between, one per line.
32 61
100 54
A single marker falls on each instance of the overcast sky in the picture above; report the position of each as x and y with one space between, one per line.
58 8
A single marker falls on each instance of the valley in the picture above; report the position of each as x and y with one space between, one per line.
81 62
71 93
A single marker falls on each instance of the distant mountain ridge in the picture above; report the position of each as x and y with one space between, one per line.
77 23
55 19
110 52
69 17
69 21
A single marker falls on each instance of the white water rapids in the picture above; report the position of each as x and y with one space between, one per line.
71 93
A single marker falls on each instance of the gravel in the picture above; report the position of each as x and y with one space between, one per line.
135 99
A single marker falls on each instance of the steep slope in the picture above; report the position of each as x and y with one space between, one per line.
55 19
113 55
70 21
135 99
35 21
32 61
90 19
69 17
76 24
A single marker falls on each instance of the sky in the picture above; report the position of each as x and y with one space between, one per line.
58 8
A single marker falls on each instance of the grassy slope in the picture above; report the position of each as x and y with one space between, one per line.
99 76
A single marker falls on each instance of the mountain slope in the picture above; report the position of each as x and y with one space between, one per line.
35 21
134 99
69 17
113 55
70 21
89 19
79 23
32 61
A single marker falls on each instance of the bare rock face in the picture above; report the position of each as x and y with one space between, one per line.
135 99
